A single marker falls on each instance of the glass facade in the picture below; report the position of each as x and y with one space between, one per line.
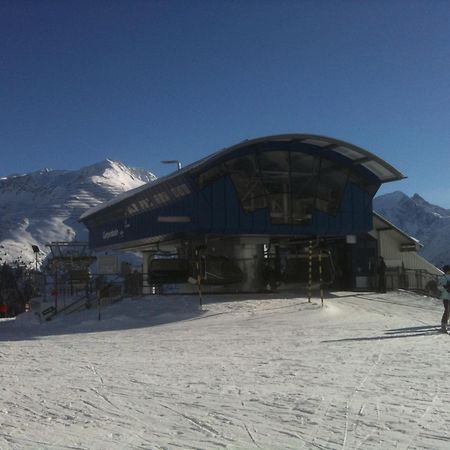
291 184
247 180
304 179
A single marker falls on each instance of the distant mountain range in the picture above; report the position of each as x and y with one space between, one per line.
428 223
44 206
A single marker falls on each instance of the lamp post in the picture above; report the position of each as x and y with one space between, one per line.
173 161
36 252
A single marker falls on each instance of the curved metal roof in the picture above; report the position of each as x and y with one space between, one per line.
356 156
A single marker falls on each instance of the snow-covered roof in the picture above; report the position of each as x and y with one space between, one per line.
383 171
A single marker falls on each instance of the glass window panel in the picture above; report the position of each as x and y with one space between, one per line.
161 198
277 185
304 186
302 210
148 197
317 142
304 169
275 175
349 153
331 186
208 177
144 204
247 181
274 162
180 190
304 164
132 208
279 208
245 165
253 203
380 171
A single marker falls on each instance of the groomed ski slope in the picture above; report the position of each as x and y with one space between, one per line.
367 371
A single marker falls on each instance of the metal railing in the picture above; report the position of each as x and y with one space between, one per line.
65 297
419 280
101 290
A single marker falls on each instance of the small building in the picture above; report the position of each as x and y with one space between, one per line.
263 213
405 267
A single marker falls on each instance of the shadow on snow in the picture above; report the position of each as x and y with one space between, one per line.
396 333
127 314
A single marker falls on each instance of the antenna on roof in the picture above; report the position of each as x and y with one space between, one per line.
173 161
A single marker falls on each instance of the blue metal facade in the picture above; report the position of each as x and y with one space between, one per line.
269 187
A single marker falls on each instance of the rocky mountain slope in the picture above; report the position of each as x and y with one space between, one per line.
429 223
44 206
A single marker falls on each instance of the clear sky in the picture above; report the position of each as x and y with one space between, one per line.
142 81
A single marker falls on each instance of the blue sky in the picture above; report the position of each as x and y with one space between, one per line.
142 81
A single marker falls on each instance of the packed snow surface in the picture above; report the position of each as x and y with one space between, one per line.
366 371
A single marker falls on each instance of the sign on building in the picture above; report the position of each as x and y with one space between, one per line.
108 264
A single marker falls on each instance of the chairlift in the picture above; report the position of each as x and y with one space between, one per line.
169 270
219 270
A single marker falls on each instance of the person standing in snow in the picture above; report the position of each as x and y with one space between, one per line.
444 294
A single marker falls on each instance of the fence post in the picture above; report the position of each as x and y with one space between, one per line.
56 290
309 271
320 278
99 307
199 279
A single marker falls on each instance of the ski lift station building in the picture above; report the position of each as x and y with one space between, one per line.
255 214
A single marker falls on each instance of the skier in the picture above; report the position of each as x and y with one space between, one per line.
444 288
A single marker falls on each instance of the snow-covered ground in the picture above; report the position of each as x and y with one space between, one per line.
366 371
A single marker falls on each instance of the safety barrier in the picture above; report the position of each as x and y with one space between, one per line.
419 280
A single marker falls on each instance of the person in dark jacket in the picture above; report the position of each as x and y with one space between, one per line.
444 294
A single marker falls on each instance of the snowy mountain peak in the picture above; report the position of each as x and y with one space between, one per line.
44 206
422 203
109 168
417 197
393 198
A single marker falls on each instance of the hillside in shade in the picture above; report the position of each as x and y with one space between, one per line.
429 223
44 206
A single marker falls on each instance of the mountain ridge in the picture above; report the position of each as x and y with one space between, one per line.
44 206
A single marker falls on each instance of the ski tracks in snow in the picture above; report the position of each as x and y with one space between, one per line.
268 374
